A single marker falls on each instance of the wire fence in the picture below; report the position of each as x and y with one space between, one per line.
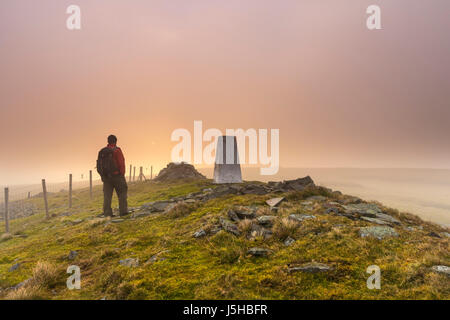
20 201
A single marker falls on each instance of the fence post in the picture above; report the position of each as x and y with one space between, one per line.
141 173
90 184
129 178
70 190
29 195
6 210
134 174
151 172
44 192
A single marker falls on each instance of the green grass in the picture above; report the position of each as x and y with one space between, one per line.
217 266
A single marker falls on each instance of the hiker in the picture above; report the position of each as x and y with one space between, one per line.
111 167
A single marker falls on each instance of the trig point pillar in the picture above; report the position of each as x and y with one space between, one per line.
227 168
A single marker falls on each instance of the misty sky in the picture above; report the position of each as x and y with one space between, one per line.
341 95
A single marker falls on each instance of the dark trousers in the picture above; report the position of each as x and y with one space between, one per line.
118 183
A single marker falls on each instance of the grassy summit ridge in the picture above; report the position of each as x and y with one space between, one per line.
166 261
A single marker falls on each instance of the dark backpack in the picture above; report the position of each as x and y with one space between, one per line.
106 166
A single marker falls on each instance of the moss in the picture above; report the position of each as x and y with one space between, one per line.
216 266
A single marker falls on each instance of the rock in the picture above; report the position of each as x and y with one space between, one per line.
200 233
274 201
72 255
140 214
15 267
179 171
160 206
445 234
255 189
233 216
334 210
441 269
433 234
312 267
364 209
259 231
375 220
245 213
157 257
266 220
258 252
350 200
378 232
21 284
300 217
387 218
118 220
129 262
297 184
229 226
289 241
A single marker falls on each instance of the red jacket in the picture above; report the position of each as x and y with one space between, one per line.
118 159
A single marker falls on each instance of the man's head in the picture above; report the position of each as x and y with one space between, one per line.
112 139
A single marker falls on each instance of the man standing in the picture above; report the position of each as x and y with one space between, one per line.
111 167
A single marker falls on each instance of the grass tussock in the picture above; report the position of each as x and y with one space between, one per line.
182 209
284 228
45 276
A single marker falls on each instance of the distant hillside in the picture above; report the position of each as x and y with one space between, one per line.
198 240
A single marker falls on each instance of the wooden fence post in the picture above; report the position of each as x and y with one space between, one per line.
44 192
129 178
141 173
151 173
90 184
134 174
29 195
70 190
6 210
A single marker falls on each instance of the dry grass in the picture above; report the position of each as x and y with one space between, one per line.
6 237
45 276
182 209
28 292
245 226
284 228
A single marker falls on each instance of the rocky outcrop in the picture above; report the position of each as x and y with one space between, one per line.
178 171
